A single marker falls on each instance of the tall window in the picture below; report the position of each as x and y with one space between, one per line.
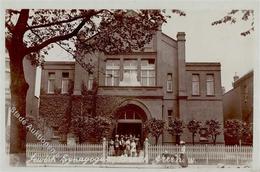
51 82
130 73
210 84
148 72
65 83
169 82
112 72
90 81
195 84
170 116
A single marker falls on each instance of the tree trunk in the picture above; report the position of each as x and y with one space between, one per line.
156 140
178 139
214 140
19 89
193 137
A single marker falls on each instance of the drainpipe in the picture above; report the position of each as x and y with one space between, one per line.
162 119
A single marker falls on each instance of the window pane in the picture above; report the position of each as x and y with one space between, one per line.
50 86
65 86
152 82
151 73
130 63
144 81
195 88
51 75
169 85
65 74
109 81
144 73
116 81
169 76
195 85
210 85
195 77
111 63
90 84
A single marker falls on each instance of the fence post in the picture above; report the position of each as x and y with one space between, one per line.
104 149
207 154
146 144
236 151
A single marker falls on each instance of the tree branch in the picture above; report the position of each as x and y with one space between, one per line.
57 38
87 15
55 23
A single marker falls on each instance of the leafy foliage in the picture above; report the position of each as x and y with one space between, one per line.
213 129
155 127
238 130
92 127
103 30
194 126
233 16
176 127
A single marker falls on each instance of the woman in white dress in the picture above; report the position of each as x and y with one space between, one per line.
133 148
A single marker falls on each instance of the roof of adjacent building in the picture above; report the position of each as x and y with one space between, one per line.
244 77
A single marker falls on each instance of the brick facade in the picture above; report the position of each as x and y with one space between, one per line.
156 100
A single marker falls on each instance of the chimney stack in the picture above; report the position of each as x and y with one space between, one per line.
236 77
181 64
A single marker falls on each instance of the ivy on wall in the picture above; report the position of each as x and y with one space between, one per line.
74 113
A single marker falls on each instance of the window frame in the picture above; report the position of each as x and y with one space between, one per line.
48 83
151 80
114 69
90 81
67 79
213 84
169 116
198 84
169 82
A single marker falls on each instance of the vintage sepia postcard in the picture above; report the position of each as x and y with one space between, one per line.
160 86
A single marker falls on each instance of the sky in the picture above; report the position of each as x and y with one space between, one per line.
222 43
207 43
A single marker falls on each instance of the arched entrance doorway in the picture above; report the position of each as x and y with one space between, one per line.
129 121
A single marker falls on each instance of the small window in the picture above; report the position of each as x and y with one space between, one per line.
210 84
51 82
55 132
195 85
90 81
170 116
169 82
65 74
65 83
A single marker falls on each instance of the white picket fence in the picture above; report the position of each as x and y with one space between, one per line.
89 154
80 154
206 154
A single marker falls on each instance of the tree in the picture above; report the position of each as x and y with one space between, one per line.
194 126
91 128
155 127
232 18
213 129
30 33
233 130
176 127
237 131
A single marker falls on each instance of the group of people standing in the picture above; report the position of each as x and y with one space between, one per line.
128 146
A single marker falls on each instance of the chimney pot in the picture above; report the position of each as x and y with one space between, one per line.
181 36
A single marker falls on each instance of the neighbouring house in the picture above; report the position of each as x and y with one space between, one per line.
238 102
155 82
